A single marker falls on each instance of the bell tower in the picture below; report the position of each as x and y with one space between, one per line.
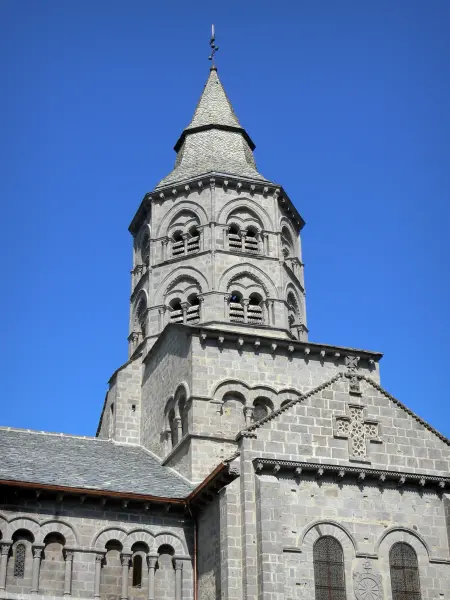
216 244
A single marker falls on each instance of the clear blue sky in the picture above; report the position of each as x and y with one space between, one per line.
348 103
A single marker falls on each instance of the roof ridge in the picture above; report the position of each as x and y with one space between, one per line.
53 433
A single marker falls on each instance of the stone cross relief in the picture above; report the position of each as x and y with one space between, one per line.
357 430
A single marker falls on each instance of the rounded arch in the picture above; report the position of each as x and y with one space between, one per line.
396 534
110 533
248 203
285 222
313 531
175 277
169 539
3 527
61 527
138 536
187 205
230 386
253 272
182 391
28 523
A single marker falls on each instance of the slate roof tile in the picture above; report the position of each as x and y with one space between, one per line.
90 463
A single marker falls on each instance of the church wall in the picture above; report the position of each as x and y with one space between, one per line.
366 519
308 431
120 418
168 366
208 553
231 555
281 370
86 529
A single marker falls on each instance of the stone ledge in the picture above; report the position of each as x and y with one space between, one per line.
346 473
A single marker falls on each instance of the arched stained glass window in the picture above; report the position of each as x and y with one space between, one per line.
404 572
329 569
19 562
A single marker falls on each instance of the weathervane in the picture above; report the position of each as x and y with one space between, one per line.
214 48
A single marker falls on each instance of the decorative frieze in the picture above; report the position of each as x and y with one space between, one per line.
350 474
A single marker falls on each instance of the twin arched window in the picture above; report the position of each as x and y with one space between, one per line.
246 311
186 312
329 574
243 240
186 243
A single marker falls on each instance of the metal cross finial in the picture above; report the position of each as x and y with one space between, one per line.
214 48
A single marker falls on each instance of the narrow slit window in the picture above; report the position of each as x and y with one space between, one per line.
137 571
19 562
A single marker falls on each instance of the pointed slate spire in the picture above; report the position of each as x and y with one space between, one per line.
214 107
214 141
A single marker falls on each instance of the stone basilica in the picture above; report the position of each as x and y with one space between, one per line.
234 459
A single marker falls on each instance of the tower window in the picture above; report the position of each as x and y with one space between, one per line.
234 239
254 310
193 241
251 241
236 308
404 572
177 244
145 249
329 575
19 562
193 310
141 317
176 312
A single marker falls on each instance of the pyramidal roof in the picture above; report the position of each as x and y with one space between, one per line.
214 141
214 107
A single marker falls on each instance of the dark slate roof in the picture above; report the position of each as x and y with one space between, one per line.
214 141
89 463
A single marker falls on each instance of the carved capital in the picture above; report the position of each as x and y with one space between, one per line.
125 560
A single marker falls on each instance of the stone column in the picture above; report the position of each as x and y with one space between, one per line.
179 426
226 299
245 304
265 238
184 307
37 554
248 414
152 560
68 573
98 569
164 242
226 244
125 567
243 235
4 563
185 237
178 579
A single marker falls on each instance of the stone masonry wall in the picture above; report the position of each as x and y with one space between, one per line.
87 528
208 556
121 416
308 431
168 366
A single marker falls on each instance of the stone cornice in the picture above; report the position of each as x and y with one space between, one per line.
350 473
240 184
273 343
